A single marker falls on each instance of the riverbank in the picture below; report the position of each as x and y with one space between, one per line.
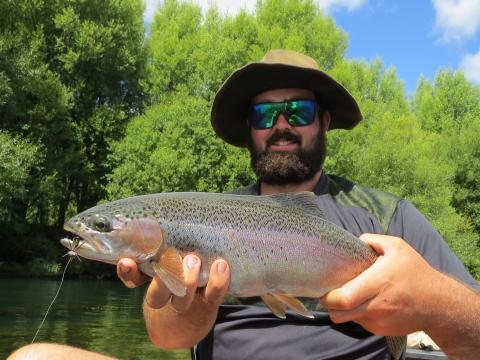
42 268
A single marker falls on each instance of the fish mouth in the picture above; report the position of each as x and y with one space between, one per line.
77 245
88 244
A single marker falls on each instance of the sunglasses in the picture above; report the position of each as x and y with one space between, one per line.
298 112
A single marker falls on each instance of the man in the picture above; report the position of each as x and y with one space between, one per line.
281 108
267 107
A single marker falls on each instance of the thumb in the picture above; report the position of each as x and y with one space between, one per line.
379 243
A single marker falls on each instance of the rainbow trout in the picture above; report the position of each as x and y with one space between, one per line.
278 247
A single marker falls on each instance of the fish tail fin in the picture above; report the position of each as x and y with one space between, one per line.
396 345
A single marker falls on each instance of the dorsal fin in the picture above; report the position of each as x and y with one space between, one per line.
303 200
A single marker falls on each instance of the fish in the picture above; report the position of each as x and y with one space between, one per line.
279 247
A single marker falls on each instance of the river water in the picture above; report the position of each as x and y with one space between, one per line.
102 316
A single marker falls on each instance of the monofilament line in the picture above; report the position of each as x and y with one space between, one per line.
53 300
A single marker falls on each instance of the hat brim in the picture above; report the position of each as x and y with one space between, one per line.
230 106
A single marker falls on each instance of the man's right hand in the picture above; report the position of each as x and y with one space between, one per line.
191 316
128 272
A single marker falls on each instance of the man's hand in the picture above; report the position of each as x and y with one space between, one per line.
401 293
179 322
394 296
128 272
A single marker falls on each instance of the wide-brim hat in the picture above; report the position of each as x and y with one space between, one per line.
278 69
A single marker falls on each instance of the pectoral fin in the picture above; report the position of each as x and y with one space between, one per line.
170 270
279 302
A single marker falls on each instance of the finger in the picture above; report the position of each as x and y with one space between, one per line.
218 282
380 243
191 273
356 314
157 295
127 271
365 286
374 324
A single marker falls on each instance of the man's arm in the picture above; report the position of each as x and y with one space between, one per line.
457 326
180 322
401 293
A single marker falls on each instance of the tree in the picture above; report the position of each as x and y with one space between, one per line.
20 160
450 108
172 147
71 75
446 103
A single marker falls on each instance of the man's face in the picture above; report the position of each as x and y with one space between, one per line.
288 154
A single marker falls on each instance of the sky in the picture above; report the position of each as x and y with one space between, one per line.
417 37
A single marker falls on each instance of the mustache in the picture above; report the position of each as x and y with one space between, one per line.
287 136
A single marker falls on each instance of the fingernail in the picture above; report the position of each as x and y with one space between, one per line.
192 261
221 267
125 269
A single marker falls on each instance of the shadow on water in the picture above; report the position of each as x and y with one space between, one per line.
101 316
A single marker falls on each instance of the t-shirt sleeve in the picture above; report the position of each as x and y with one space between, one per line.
409 224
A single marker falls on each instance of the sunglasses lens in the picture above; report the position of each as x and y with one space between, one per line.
302 112
262 116
298 113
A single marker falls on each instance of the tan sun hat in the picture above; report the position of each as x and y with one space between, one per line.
278 69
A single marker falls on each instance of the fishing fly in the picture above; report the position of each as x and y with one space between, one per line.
72 254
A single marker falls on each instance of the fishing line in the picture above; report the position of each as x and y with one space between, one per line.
54 298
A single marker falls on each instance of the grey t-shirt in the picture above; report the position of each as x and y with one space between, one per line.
248 331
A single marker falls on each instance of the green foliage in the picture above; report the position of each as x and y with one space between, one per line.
466 197
197 53
19 161
71 73
21 243
396 148
450 107
380 95
298 25
173 148
445 104
75 77
35 267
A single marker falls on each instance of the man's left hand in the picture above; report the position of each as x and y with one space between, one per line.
392 297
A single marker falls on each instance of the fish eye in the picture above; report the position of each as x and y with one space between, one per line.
101 224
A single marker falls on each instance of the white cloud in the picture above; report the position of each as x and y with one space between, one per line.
470 65
350 5
457 19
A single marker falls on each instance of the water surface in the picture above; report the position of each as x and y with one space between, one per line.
101 316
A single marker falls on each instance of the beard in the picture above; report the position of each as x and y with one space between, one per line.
288 167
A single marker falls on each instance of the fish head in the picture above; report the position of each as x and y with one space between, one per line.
111 231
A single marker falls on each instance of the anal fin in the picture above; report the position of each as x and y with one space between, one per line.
170 270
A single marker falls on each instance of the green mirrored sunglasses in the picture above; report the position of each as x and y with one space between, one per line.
298 112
